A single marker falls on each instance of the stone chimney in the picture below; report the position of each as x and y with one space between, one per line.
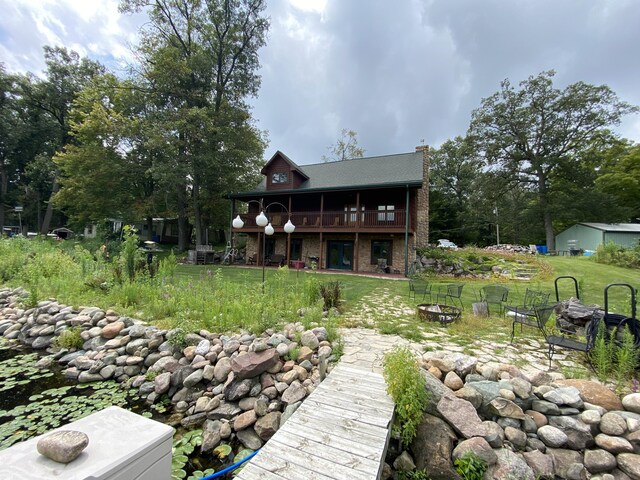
422 220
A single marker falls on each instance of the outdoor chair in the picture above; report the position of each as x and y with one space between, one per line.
451 291
558 337
417 287
251 259
494 295
525 314
276 259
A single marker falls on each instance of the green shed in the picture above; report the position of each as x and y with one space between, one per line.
587 236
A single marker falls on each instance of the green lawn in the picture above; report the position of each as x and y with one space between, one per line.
592 278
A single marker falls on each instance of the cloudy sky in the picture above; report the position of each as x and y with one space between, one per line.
397 72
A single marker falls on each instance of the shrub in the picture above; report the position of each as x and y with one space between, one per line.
406 385
613 254
69 339
470 466
330 293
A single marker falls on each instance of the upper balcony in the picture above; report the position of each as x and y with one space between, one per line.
368 221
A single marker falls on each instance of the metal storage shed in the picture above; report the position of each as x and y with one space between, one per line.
587 236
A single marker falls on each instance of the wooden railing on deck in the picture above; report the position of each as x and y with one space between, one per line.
334 219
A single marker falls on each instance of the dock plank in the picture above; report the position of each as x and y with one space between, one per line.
340 431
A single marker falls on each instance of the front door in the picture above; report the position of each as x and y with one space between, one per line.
340 255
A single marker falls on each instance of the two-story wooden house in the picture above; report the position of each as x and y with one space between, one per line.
347 215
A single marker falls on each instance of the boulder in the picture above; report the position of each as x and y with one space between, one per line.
253 364
461 415
432 448
598 461
540 463
266 426
629 463
509 465
594 392
478 446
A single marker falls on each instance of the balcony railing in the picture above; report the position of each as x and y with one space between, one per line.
368 219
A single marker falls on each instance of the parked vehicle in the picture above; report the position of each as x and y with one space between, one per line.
444 243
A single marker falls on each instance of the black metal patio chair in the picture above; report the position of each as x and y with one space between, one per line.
494 295
419 286
451 291
525 314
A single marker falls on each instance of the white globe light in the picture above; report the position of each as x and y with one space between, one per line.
237 222
289 227
268 230
262 220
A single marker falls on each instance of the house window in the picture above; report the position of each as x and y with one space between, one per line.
296 249
386 213
280 177
351 215
381 249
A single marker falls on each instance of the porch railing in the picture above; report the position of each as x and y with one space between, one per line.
334 219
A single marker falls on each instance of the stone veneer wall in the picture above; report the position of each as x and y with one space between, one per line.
422 220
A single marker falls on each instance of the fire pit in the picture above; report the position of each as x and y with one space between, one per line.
432 312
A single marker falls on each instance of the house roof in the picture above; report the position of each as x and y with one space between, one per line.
615 227
294 166
367 172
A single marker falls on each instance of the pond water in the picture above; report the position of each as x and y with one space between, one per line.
34 401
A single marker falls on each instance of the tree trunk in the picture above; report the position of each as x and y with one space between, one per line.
183 222
196 210
49 213
4 185
546 213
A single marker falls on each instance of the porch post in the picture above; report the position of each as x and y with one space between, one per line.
406 234
233 207
321 228
288 249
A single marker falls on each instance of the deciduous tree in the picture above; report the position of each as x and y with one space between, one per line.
533 133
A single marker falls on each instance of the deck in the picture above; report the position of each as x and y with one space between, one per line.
340 431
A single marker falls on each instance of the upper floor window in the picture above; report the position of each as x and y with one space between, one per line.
280 177
386 213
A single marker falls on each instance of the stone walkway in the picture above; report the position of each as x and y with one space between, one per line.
365 347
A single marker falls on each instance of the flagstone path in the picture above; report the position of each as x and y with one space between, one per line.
365 347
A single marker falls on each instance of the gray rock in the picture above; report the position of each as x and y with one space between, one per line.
238 389
309 339
193 420
203 347
245 420
505 408
478 446
252 364
613 444
535 444
563 459
249 438
225 410
162 382
86 377
545 407
552 436
540 463
294 393
461 415
453 381
494 434
591 417
488 389
432 448
578 434
521 387
404 462
471 395
288 411
517 437
629 463
576 471
509 465
436 390
63 446
631 402
266 426
613 424
193 379
210 435
565 396
598 461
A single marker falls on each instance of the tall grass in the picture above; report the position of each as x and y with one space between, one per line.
211 301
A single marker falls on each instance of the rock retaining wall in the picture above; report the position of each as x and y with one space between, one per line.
243 386
525 428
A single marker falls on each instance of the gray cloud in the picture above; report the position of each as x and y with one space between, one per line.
395 72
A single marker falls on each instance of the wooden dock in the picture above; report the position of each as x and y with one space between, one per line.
340 431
